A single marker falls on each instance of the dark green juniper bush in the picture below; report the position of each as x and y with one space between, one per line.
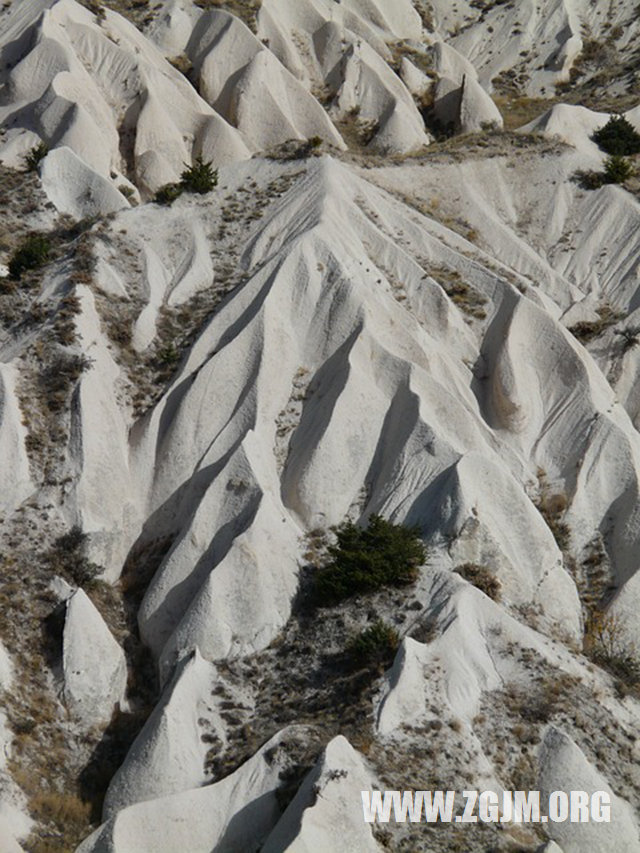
618 137
33 253
367 559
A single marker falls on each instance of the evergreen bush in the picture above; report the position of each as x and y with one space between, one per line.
367 559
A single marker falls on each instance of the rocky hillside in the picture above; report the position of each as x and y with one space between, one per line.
270 273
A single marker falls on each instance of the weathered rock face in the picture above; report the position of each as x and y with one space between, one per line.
18 485
233 66
235 814
93 664
564 767
460 102
96 86
326 813
169 754
77 190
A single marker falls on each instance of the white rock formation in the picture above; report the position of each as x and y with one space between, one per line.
76 189
248 85
475 628
347 335
99 88
93 664
543 38
15 823
564 767
236 813
460 102
366 85
168 754
413 78
17 479
326 813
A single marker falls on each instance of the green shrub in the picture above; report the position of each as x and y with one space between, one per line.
375 646
33 253
617 169
200 178
33 157
66 557
482 578
364 560
618 137
168 355
168 194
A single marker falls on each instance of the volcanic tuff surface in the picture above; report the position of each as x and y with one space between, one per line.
401 299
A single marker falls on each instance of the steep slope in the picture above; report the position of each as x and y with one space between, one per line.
95 85
356 320
333 271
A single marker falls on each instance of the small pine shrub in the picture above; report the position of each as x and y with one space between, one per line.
168 194
168 355
375 646
482 578
199 178
617 169
33 157
33 253
364 560
618 137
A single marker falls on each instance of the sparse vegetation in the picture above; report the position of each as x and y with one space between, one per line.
482 578
32 254
97 8
127 191
630 337
167 194
367 559
617 170
246 10
59 376
296 149
181 63
552 506
67 558
463 295
33 157
375 646
607 645
518 110
588 330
